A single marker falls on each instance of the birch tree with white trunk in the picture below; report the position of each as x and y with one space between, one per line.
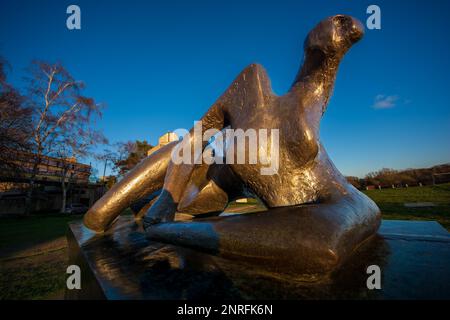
63 119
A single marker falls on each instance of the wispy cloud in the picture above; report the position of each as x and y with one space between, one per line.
385 102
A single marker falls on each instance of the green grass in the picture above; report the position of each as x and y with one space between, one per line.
35 277
33 256
17 232
391 202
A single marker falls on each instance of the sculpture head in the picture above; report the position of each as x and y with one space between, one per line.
324 48
334 35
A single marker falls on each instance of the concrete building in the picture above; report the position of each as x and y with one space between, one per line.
49 170
163 140
48 195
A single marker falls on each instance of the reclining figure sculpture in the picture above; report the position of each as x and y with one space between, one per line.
315 218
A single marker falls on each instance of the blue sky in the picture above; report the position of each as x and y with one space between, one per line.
159 65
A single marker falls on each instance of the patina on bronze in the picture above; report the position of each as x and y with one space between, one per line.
315 218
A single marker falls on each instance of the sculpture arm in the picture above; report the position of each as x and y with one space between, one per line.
145 178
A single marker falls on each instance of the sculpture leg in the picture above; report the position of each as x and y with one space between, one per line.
145 178
208 190
207 193
300 239
197 195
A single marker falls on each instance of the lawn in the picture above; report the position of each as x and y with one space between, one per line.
33 250
391 202
18 233
33 256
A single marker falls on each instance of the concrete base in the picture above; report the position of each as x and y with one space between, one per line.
414 257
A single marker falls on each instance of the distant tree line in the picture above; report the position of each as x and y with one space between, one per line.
386 178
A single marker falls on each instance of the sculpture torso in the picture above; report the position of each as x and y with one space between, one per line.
249 103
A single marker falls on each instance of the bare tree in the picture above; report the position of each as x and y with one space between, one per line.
355 181
15 123
68 148
112 156
108 157
62 118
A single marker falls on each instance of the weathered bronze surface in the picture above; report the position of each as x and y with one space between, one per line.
315 220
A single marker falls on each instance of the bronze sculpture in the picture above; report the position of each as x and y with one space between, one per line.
315 218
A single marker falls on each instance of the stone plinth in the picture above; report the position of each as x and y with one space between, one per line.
122 263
